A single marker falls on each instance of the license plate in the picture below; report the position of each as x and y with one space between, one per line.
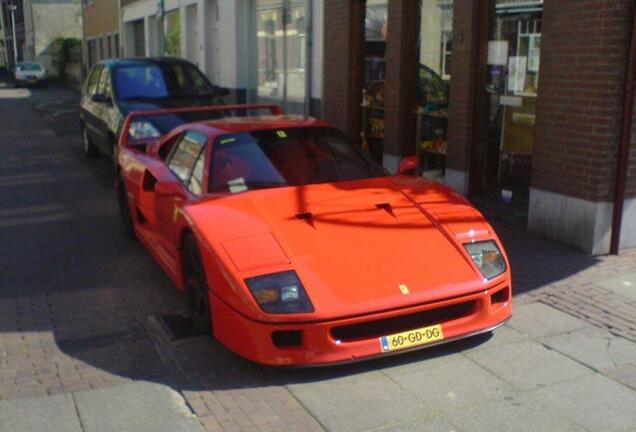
411 338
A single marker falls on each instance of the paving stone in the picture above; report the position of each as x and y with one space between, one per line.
625 285
625 375
51 414
448 383
519 414
359 402
528 364
594 401
431 424
539 320
132 407
503 335
594 347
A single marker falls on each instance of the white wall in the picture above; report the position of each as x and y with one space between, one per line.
215 37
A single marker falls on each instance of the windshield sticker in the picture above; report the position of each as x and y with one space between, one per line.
227 140
237 185
281 134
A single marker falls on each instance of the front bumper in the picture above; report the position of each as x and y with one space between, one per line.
34 80
253 340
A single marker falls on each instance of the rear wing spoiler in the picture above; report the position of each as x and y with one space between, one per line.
124 136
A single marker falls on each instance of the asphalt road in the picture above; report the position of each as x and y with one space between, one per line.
84 309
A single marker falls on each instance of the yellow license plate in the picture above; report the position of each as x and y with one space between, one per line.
411 338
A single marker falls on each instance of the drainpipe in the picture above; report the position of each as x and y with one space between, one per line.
309 52
626 136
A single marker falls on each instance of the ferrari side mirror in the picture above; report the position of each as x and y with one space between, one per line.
410 165
169 189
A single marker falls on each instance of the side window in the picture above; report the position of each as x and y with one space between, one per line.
93 78
185 156
196 180
104 83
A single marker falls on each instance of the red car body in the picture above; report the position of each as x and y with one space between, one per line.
377 257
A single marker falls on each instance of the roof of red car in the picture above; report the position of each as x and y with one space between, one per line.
243 124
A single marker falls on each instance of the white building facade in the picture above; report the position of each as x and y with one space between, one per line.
262 50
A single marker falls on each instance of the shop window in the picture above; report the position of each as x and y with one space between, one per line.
172 23
447 49
374 75
277 72
432 86
270 50
302 44
513 82
139 40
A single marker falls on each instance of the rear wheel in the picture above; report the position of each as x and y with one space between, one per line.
90 151
124 210
196 286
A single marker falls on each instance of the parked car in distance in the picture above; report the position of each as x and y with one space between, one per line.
30 73
297 248
118 86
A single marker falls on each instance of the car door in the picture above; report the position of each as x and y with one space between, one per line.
103 107
89 108
187 163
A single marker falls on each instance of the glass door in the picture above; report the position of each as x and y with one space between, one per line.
513 68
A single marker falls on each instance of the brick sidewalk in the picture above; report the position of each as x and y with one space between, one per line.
574 282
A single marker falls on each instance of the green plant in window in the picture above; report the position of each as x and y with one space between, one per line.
173 34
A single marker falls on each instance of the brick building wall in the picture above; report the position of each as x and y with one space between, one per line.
583 58
584 52
461 98
339 94
101 17
631 172
401 75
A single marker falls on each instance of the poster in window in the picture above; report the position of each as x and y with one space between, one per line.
517 73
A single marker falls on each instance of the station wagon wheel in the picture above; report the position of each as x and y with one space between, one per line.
124 210
196 285
90 151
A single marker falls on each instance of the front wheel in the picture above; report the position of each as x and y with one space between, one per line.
90 151
196 286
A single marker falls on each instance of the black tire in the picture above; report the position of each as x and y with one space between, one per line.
196 286
90 151
125 213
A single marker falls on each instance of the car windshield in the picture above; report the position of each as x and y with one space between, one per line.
153 81
28 67
287 157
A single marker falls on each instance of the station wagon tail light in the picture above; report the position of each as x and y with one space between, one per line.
487 257
143 129
280 293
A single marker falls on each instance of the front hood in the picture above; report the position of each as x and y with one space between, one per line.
364 241
165 123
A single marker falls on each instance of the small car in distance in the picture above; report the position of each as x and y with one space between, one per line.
30 73
116 87
296 248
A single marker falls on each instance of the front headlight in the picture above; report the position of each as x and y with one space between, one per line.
487 257
280 293
142 129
